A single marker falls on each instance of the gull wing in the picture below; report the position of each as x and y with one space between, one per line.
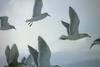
14 54
74 21
44 53
4 23
66 25
37 8
34 54
7 53
23 61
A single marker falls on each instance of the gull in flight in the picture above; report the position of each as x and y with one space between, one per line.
37 15
12 55
96 42
41 58
4 25
73 27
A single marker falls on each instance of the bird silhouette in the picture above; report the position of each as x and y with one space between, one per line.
96 42
73 27
4 25
37 15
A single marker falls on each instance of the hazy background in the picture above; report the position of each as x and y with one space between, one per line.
63 52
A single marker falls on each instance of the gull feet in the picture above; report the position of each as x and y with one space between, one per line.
30 22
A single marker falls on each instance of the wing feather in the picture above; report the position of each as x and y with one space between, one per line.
74 21
66 25
44 53
37 7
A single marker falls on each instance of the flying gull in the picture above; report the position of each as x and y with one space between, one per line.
73 27
12 58
37 15
41 58
4 25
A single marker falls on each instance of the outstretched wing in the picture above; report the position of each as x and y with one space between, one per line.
74 21
44 53
34 54
37 8
14 55
66 25
7 53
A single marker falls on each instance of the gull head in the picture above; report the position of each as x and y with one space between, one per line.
46 14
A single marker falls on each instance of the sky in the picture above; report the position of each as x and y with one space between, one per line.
50 28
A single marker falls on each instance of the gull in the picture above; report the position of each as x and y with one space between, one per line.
4 25
96 42
12 55
12 58
37 15
73 27
41 57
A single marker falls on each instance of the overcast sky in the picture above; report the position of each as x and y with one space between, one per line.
50 28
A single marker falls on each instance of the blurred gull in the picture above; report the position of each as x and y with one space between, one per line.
37 15
41 58
73 27
4 25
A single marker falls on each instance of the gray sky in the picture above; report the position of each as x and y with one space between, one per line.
51 28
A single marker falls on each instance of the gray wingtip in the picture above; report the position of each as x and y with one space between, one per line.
7 47
40 38
70 8
41 42
14 45
72 11
29 46
63 22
